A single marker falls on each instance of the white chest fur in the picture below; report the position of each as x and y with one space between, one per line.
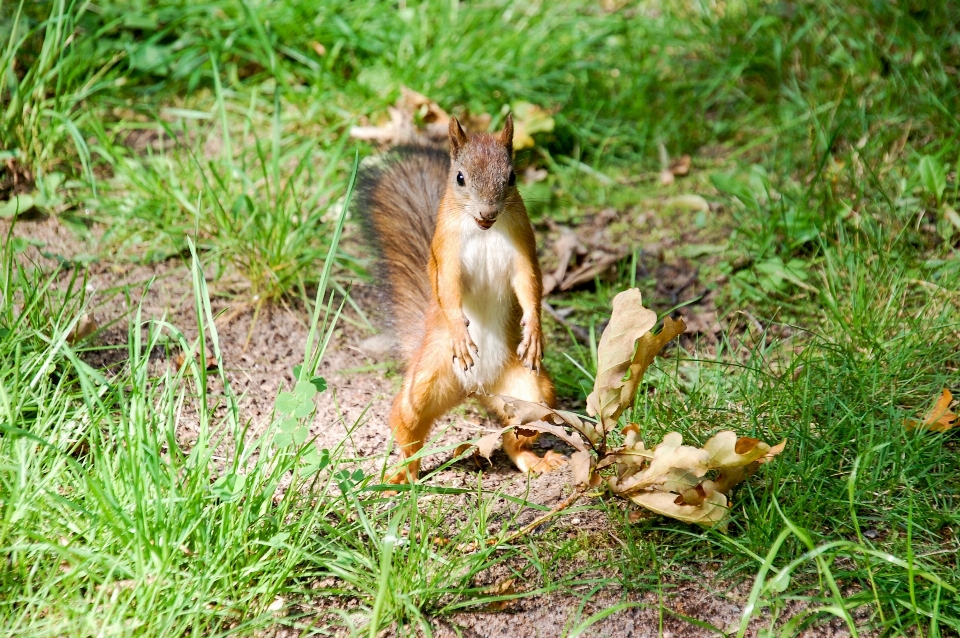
488 262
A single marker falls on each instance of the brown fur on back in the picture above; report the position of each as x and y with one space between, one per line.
398 200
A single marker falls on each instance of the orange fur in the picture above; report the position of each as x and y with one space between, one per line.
478 331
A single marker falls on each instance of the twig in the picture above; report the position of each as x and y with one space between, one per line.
469 548
540 520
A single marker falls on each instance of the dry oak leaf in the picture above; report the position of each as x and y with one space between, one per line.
416 118
939 418
627 348
669 461
86 326
528 120
535 417
709 512
673 484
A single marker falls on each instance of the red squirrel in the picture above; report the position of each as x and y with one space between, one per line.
458 263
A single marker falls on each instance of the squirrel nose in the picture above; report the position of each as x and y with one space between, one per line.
488 211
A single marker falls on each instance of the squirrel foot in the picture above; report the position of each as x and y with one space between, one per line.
528 462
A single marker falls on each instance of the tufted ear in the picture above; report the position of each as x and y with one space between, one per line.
506 135
457 137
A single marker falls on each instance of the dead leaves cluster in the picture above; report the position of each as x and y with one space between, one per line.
580 260
684 482
415 118
672 479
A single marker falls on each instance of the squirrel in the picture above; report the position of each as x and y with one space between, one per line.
457 261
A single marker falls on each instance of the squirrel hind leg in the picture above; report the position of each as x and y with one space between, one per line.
430 389
522 383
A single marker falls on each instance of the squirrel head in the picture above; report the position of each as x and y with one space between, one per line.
481 179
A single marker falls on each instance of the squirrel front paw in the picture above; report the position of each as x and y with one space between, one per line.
530 350
462 346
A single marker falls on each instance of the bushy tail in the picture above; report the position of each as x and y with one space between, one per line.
398 199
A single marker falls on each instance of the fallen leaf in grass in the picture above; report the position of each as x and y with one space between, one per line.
503 588
423 108
710 511
211 361
627 348
680 167
416 118
677 472
775 450
528 413
727 450
318 48
670 459
939 418
528 120
533 417
666 177
566 246
597 263
680 481
86 326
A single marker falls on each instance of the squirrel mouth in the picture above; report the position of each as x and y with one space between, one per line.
485 224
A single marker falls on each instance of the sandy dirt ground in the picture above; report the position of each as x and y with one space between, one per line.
362 379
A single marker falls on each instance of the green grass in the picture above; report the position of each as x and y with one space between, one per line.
825 136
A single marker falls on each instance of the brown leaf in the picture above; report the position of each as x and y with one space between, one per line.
565 247
416 118
680 167
503 588
670 461
728 478
693 496
627 348
538 417
723 449
775 450
528 120
597 263
580 463
86 326
666 177
745 445
708 513
939 418
211 361
488 443
422 107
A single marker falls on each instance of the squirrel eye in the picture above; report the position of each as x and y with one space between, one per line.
513 178
460 180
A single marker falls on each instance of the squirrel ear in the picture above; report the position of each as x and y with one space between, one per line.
457 137
506 135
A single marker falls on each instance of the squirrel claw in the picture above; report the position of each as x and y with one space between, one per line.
461 351
530 350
